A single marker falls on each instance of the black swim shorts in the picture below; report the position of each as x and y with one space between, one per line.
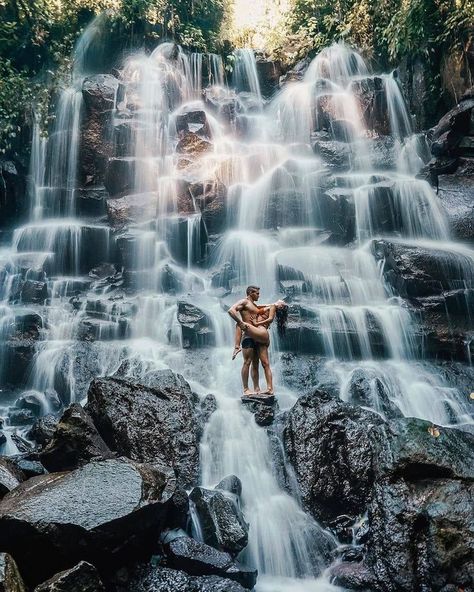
248 342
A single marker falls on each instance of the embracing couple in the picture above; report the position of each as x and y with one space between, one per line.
253 338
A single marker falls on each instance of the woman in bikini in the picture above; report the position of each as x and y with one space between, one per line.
258 329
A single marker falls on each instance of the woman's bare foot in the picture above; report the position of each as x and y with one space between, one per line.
236 352
268 393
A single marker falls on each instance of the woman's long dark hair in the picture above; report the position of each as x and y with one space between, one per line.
281 314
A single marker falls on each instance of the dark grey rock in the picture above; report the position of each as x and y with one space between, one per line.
232 484
222 523
196 326
333 448
200 559
75 442
104 512
352 576
147 424
43 429
83 577
162 579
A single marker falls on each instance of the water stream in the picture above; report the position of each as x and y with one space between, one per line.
278 232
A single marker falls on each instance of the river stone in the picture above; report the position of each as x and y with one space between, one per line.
199 559
103 512
352 576
147 424
222 523
10 578
333 448
162 579
75 442
83 577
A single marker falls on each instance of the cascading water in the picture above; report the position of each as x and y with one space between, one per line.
219 193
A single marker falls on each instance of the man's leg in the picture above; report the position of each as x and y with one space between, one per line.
254 371
264 359
247 354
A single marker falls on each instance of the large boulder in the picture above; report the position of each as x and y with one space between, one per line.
10 578
132 208
83 577
74 443
163 579
210 197
333 448
199 559
147 424
222 523
42 430
372 99
104 512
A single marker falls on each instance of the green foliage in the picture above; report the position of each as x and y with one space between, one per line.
37 38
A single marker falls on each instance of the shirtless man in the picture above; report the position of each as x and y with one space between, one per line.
244 312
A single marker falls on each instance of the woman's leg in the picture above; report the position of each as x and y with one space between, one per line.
258 334
237 340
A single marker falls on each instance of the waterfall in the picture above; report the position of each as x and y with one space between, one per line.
210 192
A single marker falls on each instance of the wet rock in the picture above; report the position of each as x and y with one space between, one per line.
417 271
223 102
90 201
223 277
455 193
131 209
421 531
451 128
12 192
269 73
163 579
351 576
74 443
31 401
99 92
106 512
191 144
43 429
337 211
232 484
196 327
333 448
199 559
194 122
10 578
81 578
21 417
296 73
370 93
119 175
210 197
147 424
222 523
417 450
96 132
33 292
10 476
205 409
262 410
102 271
367 390
337 155
28 464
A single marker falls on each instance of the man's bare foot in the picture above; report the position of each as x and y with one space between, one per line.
236 352
248 393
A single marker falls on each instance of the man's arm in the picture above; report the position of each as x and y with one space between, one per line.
234 312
